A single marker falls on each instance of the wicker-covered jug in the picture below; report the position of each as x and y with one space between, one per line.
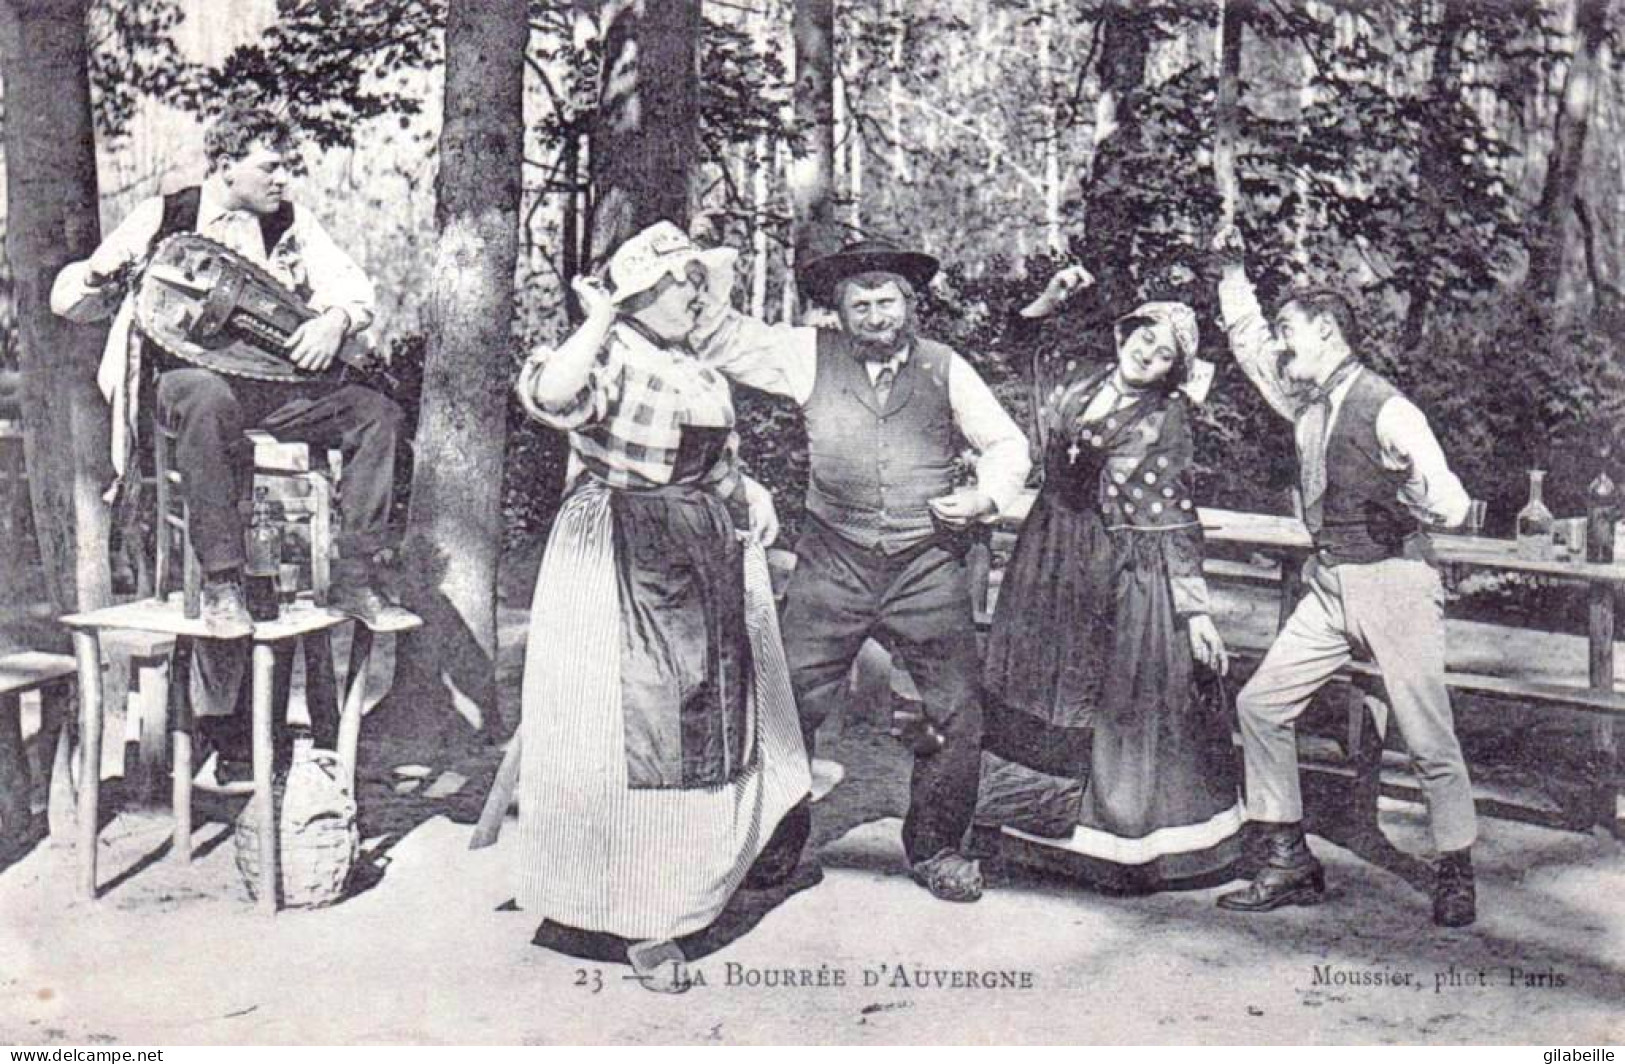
317 835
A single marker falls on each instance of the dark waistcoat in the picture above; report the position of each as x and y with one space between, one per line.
1362 519
874 467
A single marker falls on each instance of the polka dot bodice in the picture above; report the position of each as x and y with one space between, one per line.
1123 460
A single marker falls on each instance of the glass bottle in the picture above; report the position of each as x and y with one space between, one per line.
1602 510
1535 522
264 560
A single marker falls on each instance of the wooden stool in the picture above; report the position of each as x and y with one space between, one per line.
307 496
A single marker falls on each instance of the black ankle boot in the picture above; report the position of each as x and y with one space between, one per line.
1291 875
1455 898
355 592
228 739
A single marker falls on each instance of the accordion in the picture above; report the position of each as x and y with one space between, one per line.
207 305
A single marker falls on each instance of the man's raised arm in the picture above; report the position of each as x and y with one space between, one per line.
1251 340
781 359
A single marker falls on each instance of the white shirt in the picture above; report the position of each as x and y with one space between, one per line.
305 259
783 359
1431 491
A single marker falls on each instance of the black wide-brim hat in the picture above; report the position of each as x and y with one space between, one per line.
819 277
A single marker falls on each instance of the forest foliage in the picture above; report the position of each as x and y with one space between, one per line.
1399 150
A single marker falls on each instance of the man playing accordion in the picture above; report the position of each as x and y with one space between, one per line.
243 206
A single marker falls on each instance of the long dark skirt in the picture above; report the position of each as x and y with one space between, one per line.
1101 743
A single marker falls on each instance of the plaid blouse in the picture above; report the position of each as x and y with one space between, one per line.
626 422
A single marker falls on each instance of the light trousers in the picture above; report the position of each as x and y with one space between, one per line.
1392 610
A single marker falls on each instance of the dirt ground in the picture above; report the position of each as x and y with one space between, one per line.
425 949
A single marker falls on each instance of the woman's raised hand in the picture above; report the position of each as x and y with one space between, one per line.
1067 281
764 517
1228 245
596 302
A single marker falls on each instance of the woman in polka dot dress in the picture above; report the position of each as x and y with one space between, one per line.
1105 749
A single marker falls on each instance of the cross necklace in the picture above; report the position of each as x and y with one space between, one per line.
1124 397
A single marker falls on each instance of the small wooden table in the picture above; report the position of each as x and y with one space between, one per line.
301 621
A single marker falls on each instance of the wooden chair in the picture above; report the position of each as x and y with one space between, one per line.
306 497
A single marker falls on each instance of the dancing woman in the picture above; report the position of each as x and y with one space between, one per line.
663 766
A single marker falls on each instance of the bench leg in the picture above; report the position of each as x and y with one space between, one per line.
15 813
1605 776
1604 746
321 540
264 801
87 650
150 710
321 689
498 798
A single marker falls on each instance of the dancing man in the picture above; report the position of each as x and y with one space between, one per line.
1373 480
884 551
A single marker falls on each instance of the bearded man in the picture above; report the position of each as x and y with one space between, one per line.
884 551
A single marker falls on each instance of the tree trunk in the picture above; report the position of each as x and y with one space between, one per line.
1437 183
1047 27
812 173
648 117
841 181
789 298
1547 241
894 95
51 220
1303 191
1227 112
761 162
454 527
1125 50
855 154
570 226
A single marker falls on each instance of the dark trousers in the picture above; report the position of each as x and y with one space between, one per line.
918 604
211 411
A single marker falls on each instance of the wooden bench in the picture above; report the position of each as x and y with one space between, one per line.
52 677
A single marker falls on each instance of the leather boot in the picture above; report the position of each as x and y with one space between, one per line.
1291 875
224 610
355 593
1455 899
